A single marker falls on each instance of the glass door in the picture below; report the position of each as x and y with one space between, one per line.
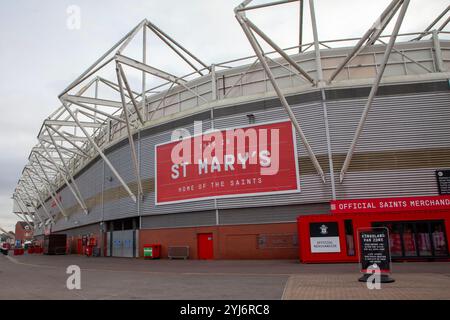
439 239
424 246
409 240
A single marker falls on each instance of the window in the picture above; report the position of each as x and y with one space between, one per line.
438 238
423 239
416 238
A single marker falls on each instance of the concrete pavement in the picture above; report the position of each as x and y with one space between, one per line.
44 277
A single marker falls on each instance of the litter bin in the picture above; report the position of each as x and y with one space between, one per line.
152 251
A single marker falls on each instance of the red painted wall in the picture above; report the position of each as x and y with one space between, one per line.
230 242
21 233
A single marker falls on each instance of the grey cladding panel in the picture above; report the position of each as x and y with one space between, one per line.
394 122
389 183
200 218
270 214
83 230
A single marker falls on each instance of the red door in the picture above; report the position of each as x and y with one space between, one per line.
205 246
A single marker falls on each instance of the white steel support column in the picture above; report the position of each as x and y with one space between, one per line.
91 140
383 24
159 35
28 212
169 38
144 75
63 175
39 196
360 45
96 111
213 83
127 86
283 100
66 139
26 207
86 72
130 134
439 17
23 212
24 216
374 90
321 85
269 41
437 51
300 26
156 72
51 189
66 168
319 71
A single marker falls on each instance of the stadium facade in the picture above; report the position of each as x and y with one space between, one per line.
373 149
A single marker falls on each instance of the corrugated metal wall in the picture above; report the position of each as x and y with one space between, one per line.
270 214
83 230
117 203
405 139
190 219
90 182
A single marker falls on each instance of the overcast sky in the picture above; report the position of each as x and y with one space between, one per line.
40 55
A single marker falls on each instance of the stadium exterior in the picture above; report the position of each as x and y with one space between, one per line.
374 120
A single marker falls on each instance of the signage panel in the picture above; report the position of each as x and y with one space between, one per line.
324 237
374 249
378 205
253 160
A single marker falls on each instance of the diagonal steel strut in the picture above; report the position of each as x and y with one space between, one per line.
374 90
63 175
257 49
119 73
91 140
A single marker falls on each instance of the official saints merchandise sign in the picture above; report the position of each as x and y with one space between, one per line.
324 237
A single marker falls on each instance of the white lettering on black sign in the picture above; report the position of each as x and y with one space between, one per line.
374 249
324 237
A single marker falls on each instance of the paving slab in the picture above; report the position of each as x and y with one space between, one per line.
104 278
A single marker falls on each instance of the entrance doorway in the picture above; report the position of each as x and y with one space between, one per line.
123 243
416 239
122 238
205 245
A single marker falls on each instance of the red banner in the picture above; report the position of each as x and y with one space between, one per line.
391 204
252 160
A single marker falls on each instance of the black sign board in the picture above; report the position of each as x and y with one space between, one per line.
374 249
324 237
443 180
323 229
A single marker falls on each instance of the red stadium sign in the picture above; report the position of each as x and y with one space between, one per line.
253 160
379 205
